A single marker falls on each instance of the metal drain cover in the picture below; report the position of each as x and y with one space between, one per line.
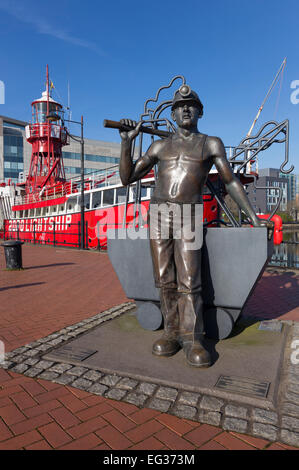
243 386
71 353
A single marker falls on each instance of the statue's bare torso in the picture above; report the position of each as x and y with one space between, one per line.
183 167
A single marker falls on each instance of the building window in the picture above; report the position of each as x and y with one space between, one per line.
12 151
90 157
108 197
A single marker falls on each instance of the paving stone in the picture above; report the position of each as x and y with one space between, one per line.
31 361
211 404
77 371
235 424
52 336
6 364
137 399
167 393
146 388
116 393
32 372
159 405
88 327
185 411
79 331
288 422
92 375
31 352
189 398
43 340
209 417
64 379
127 384
289 437
21 350
44 364
73 334
264 416
55 341
60 368
110 380
236 411
32 345
98 389
290 409
20 368
88 320
44 347
93 324
265 430
48 375
19 359
10 354
81 383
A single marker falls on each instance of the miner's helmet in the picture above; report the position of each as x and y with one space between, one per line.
184 93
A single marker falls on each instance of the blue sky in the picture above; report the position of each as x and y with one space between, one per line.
116 54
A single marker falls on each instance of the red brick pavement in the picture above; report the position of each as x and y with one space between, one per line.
276 296
41 415
59 287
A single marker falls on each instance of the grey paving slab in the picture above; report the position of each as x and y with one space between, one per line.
124 348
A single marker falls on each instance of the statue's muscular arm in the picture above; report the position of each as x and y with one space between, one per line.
232 184
129 171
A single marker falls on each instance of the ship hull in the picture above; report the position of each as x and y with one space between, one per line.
64 229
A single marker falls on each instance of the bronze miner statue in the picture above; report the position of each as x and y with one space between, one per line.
183 163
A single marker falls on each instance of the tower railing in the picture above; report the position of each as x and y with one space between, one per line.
34 131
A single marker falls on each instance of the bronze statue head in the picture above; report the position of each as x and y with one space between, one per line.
186 108
185 94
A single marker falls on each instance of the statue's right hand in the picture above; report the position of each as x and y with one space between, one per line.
130 135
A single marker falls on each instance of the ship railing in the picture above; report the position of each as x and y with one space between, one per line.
102 178
46 129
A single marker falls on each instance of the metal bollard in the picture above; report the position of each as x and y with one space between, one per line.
13 254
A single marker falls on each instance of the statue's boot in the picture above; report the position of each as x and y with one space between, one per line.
168 344
192 330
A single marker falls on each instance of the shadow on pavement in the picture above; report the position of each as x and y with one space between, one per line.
21 285
48 265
